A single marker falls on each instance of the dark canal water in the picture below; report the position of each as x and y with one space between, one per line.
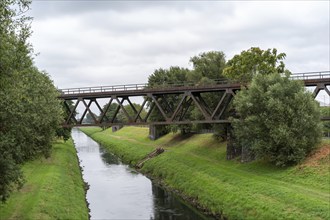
119 192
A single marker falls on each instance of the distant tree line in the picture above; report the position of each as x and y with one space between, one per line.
30 112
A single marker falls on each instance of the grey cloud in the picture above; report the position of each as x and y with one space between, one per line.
87 43
44 9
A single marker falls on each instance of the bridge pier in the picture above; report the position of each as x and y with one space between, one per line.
156 131
116 127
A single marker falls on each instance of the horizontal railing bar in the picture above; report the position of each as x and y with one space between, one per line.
311 72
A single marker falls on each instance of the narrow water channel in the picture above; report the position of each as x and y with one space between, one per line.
119 192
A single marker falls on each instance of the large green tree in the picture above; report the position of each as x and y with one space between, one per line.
208 66
29 109
244 66
278 120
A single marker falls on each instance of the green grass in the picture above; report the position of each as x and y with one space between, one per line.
54 188
196 167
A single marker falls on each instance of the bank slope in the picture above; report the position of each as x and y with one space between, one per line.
54 188
196 167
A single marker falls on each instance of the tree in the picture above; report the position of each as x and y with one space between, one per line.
278 120
29 109
245 66
207 66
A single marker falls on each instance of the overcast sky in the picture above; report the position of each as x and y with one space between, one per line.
90 43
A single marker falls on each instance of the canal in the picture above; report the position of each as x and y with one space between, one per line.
117 191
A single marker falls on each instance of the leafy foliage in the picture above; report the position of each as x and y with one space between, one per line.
208 66
278 119
252 62
29 109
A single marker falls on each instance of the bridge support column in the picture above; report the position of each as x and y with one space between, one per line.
156 132
116 127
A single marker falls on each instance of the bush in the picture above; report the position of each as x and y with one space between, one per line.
278 120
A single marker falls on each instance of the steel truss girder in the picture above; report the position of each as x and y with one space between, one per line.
159 101
319 87
171 114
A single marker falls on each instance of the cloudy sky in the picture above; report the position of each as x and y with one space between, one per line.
90 43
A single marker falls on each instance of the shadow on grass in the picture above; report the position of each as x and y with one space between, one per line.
178 138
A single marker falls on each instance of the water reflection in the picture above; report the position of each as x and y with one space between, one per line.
167 206
108 157
117 191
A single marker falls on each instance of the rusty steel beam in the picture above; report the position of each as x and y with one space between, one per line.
134 109
185 107
159 107
154 91
149 112
149 123
123 108
198 104
72 113
103 114
219 104
69 111
139 112
178 107
85 111
157 98
117 109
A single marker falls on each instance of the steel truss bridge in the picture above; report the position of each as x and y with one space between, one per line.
156 98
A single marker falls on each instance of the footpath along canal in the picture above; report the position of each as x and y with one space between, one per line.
117 191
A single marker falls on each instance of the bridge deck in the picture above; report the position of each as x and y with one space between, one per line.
188 93
309 79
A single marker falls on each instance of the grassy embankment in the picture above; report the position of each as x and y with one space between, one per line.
54 188
196 167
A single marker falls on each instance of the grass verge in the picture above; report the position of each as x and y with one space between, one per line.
54 188
196 167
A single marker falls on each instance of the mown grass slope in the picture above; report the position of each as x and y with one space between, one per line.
54 188
196 167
